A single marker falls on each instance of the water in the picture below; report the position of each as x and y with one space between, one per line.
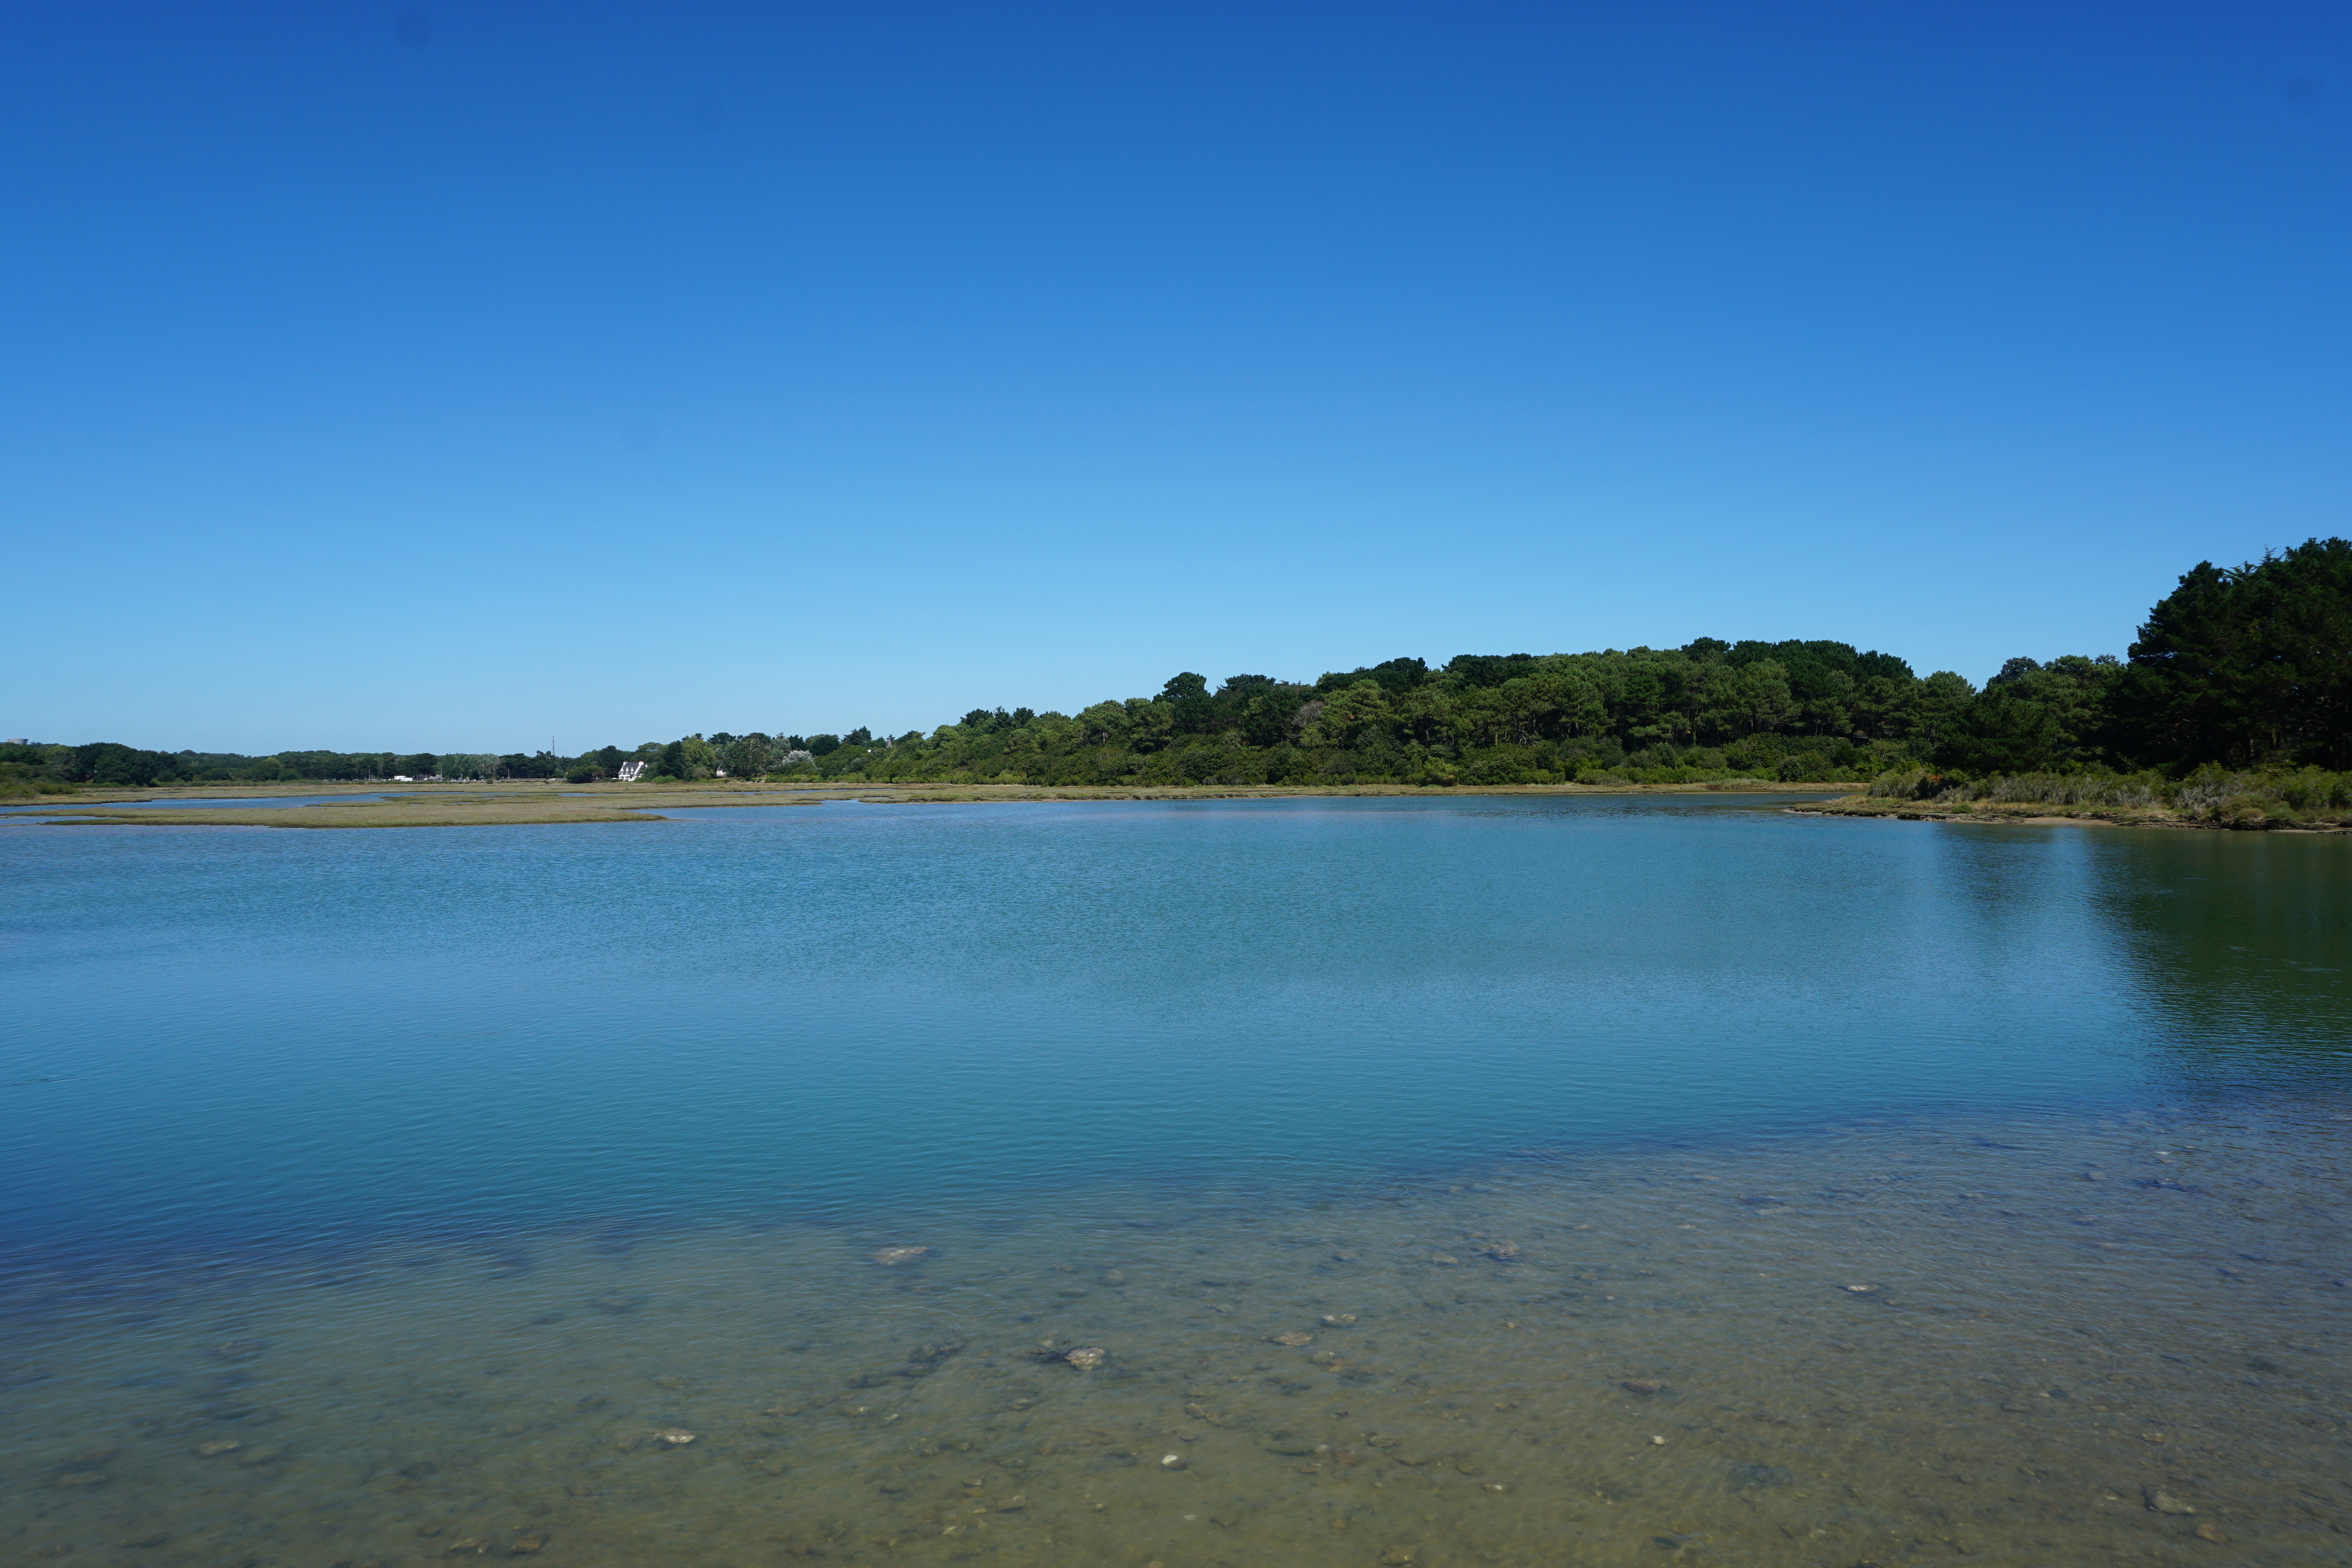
440 1170
53 807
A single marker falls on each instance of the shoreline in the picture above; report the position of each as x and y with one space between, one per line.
2052 814
538 805
353 806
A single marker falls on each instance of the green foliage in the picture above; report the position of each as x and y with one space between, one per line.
1710 712
28 772
745 756
2247 666
1794 711
2210 793
2247 669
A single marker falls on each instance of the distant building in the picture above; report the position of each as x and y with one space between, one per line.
631 771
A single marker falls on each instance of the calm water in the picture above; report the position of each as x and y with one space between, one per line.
196 802
385 1195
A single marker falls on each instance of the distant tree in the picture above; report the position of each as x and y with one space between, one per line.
2001 732
2012 671
745 757
1934 709
1272 713
1186 699
1353 714
2247 664
1390 676
112 764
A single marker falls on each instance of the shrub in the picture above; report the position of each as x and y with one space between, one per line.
2212 794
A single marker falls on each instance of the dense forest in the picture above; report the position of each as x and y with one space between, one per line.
2244 668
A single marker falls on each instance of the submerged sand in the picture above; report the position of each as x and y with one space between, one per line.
2067 1341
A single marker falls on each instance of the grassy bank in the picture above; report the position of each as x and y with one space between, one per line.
519 806
2307 799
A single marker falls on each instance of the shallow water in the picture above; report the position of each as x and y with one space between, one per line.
384 1196
57 805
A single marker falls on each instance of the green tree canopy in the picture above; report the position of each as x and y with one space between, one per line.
2247 664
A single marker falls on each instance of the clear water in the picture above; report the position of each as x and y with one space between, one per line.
56 806
436 1172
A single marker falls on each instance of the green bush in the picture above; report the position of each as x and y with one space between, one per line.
2210 794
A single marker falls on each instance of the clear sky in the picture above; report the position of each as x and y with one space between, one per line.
455 376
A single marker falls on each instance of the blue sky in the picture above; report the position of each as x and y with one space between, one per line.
455 376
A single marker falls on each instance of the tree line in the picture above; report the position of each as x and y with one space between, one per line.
2242 667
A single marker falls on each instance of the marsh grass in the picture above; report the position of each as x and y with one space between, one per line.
540 805
2211 796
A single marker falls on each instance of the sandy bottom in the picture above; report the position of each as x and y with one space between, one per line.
2054 1343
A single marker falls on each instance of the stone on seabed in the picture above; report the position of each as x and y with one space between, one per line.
2165 1502
1087 1358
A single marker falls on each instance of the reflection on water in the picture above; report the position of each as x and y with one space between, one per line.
2240 941
1512 1182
